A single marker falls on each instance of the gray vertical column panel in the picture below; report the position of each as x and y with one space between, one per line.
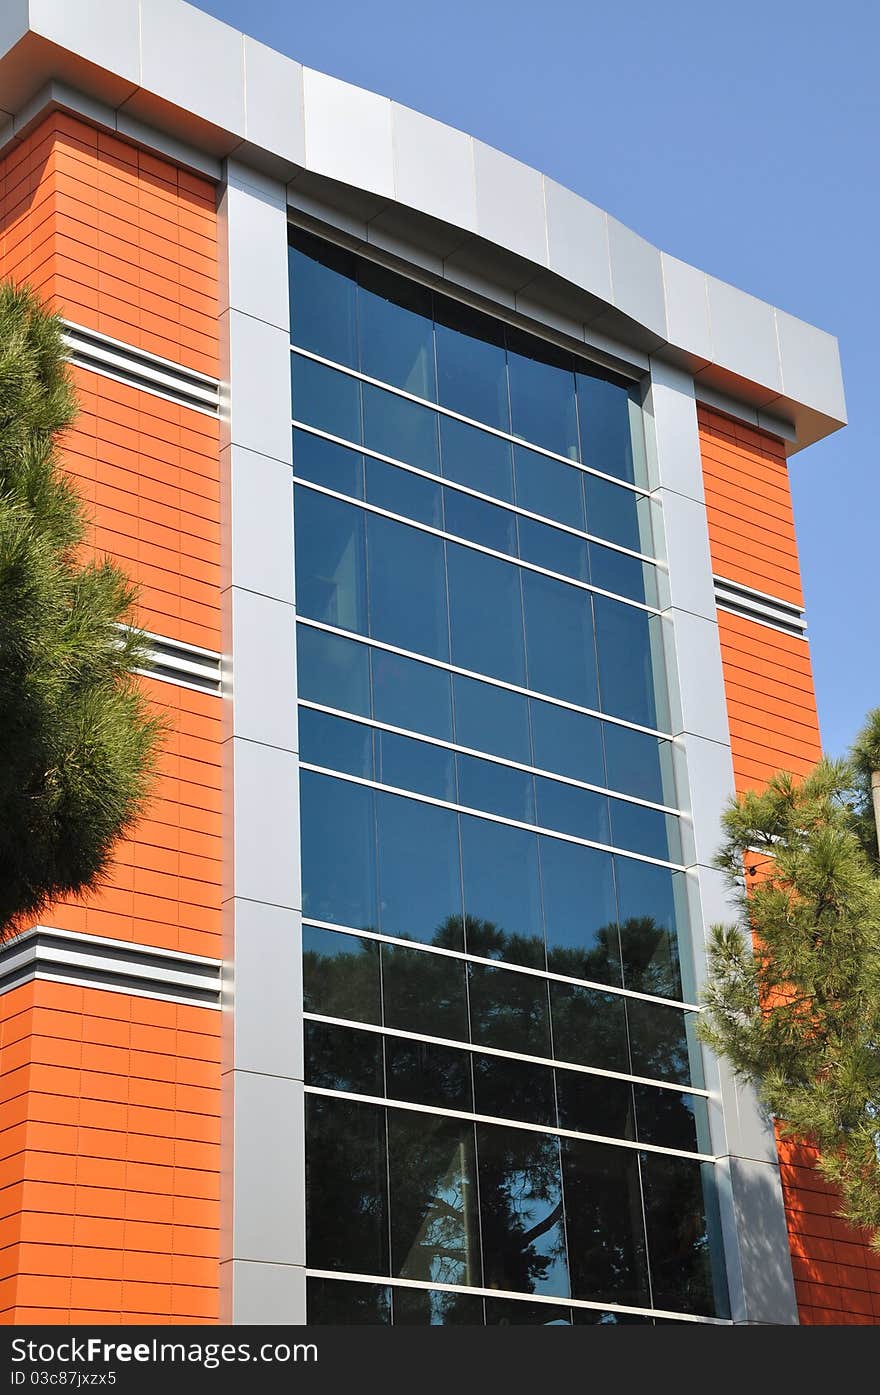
263 1232
750 1193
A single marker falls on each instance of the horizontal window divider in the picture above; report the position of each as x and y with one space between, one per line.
476 494
641 490
493 818
481 677
484 755
473 1118
385 1281
474 546
617 989
476 1049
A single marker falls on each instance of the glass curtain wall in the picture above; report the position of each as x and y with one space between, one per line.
506 1119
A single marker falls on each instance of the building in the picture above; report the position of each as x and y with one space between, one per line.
392 996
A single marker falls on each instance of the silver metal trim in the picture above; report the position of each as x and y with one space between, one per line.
554 1302
118 966
641 490
469 1116
482 677
751 604
138 368
495 818
187 665
617 989
486 498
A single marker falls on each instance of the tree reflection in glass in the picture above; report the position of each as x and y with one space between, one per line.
433 1200
521 1211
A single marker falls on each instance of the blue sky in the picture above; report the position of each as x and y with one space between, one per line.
741 138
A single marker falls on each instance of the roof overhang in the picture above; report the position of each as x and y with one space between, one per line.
161 71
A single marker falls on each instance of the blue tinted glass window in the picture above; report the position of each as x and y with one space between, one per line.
499 789
481 522
542 395
431 1177
568 742
476 459
397 339
409 694
606 434
662 1042
648 900
436 1307
402 429
338 815
509 1011
521 1211
643 830
491 719
635 765
425 992
613 513
332 1303
485 614
502 892
322 299
569 809
330 571
471 367
626 669
589 1027
333 670
605 1227
419 877
414 765
341 976
407 587
335 743
400 492
551 548
514 1090
559 639
579 912
625 575
326 463
340 1058
548 487
684 1231
595 1104
325 398
672 1119
428 1074
346 1185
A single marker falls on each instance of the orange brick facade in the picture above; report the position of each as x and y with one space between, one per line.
109 1208
774 726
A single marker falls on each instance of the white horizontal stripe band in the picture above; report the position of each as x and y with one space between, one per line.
121 966
502 964
475 546
467 1117
476 1049
141 369
468 421
477 494
384 1281
481 677
487 756
493 818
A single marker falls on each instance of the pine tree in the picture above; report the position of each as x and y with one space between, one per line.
78 744
795 1008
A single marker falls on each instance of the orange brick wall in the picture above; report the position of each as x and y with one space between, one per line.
110 1117
774 726
109 1157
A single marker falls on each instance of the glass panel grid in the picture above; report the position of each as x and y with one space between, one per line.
499 1059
